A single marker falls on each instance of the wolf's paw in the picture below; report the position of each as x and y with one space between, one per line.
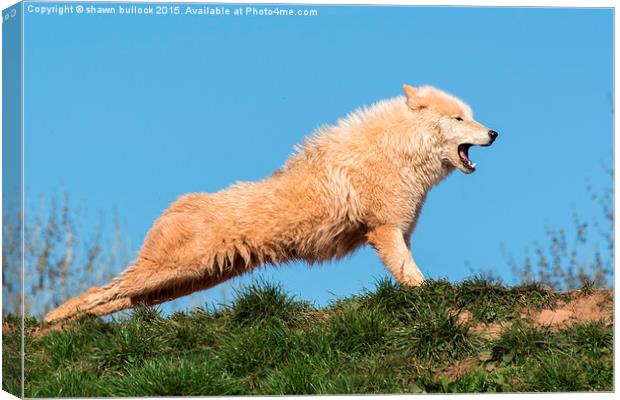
413 280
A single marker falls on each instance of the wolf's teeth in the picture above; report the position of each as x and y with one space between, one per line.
474 165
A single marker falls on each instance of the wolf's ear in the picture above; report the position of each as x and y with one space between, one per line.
410 91
414 100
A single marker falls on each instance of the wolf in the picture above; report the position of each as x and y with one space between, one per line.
360 181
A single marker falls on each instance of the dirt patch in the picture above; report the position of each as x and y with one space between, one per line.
41 331
597 306
580 308
490 330
458 369
7 327
319 315
463 316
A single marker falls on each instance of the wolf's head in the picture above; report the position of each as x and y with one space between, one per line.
454 123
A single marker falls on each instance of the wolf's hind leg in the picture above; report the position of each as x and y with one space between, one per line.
389 242
143 283
161 294
74 306
155 297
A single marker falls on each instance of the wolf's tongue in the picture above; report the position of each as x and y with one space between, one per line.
463 153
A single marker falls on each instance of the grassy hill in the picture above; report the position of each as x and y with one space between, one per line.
475 336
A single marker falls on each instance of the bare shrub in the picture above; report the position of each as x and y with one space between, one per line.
571 259
59 260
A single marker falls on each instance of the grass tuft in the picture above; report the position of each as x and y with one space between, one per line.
261 300
435 337
519 342
358 331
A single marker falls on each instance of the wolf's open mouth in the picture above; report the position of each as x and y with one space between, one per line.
463 150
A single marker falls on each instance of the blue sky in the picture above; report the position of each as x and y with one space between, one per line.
129 112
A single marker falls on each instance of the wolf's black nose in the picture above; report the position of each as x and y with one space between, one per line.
493 135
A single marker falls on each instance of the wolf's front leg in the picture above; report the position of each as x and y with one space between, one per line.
389 242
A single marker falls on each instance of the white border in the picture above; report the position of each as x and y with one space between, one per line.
480 3
435 3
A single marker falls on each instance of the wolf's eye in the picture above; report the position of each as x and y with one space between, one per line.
458 118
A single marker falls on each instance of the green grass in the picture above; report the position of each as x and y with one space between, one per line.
388 340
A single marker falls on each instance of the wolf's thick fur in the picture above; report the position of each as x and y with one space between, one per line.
363 180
